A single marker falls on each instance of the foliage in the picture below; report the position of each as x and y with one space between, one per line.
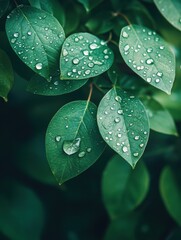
111 72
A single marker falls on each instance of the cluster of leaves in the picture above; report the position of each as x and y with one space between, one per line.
122 56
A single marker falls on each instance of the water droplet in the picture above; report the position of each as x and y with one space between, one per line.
39 66
135 154
136 137
97 62
46 29
125 149
157 80
13 40
149 61
105 112
148 79
162 47
81 154
93 46
86 52
87 72
141 145
126 48
118 99
16 34
75 61
119 135
90 64
29 33
149 50
125 34
76 39
72 146
159 74
89 150
118 144
58 138
120 111
117 120
65 52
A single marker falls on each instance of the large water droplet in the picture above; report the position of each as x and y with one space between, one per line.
125 149
149 61
93 46
75 61
125 34
39 66
72 146
16 34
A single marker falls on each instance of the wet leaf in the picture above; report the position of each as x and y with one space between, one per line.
38 85
170 9
83 56
73 142
123 188
171 193
6 75
123 124
148 55
36 38
160 119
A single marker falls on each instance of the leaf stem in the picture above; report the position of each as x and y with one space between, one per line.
98 88
123 16
90 92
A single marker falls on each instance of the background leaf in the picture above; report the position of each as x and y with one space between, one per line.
160 119
38 85
21 211
6 75
123 124
73 142
148 55
171 192
3 7
84 55
170 9
36 38
90 4
123 188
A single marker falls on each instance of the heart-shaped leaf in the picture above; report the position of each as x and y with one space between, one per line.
123 124
73 142
38 85
148 55
36 38
171 10
123 188
83 56
6 75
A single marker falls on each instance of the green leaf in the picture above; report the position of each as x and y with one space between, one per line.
123 124
21 211
148 55
84 55
38 85
42 4
73 142
6 75
171 193
3 7
36 38
160 119
90 4
170 9
123 188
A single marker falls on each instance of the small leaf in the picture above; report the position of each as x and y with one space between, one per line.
73 142
148 55
160 119
84 55
123 188
6 75
3 7
123 124
36 38
170 9
38 85
171 193
90 4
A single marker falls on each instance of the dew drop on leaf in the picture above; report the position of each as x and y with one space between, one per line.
125 149
58 138
81 154
71 146
39 66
